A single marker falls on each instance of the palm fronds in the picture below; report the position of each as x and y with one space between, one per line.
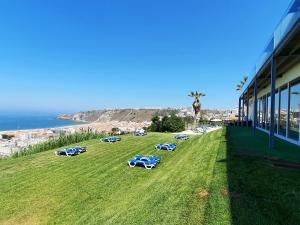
295 93
196 94
240 86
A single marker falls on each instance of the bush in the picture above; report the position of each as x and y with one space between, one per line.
115 129
156 124
7 136
61 141
172 123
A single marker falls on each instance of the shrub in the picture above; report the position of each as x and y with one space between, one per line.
171 123
61 141
156 124
7 136
115 129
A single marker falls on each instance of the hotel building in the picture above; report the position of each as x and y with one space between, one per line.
271 98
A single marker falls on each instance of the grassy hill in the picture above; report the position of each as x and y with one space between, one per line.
200 183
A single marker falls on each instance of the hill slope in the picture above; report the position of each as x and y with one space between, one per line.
99 188
203 182
133 115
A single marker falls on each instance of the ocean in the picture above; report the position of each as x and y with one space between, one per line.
25 121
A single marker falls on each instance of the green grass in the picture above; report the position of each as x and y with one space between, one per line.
243 140
61 141
200 183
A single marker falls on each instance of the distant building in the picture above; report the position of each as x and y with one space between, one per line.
272 97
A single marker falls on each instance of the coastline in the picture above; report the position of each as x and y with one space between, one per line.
95 126
23 138
44 128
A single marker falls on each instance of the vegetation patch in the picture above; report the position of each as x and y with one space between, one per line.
171 123
61 141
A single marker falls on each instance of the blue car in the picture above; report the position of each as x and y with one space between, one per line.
111 139
182 137
168 147
147 161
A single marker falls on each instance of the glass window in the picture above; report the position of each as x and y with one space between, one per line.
264 112
251 110
243 111
283 111
276 117
268 114
259 113
294 112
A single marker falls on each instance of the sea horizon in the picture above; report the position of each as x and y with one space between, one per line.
17 120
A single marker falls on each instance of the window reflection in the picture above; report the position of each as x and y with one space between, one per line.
294 112
283 112
276 117
268 114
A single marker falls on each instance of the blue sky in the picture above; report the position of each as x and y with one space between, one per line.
80 55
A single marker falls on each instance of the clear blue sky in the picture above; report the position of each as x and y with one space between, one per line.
77 55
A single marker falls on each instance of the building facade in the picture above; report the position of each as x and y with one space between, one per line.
271 99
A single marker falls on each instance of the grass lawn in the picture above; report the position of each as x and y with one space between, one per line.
242 140
203 182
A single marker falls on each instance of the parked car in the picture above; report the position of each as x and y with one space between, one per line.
148 162
167 146
111 139
182 137
68 152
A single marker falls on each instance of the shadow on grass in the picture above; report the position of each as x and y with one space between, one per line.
260 193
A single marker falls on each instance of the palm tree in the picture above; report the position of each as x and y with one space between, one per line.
196 104
240 86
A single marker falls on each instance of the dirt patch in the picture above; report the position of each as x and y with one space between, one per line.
231 194
203 194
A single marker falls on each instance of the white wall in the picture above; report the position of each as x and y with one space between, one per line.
287 77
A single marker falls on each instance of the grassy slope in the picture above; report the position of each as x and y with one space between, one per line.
203 182
98 188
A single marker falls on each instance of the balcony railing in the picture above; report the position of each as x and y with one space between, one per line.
286 24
